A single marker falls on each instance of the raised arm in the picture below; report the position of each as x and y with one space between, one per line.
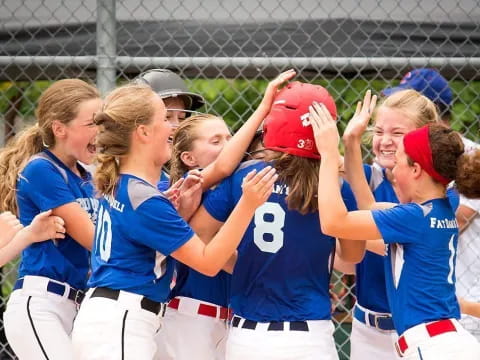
353 161
210 258
334 217
233 152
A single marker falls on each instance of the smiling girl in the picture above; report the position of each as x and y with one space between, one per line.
139 232
373 331
421 233
40 171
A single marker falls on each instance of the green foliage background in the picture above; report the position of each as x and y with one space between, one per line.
236 99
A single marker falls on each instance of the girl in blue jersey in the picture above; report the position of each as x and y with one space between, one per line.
199 306
373 332
139 231
280 281
421 233
41 170
198 309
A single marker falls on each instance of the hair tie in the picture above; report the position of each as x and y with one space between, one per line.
417 147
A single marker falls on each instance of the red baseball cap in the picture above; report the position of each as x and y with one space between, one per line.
287 127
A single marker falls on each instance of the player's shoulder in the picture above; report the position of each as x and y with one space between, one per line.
139 192
40 165
247 166
412 209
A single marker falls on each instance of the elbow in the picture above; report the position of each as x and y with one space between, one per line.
353 258
329 227
209 271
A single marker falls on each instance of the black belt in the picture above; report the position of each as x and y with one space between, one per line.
272 326
146 304
59 289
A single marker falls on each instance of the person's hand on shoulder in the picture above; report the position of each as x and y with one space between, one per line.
257 187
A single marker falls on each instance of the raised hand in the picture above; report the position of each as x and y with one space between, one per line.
359 122
9 226
257 187
45 226
324 129
272 87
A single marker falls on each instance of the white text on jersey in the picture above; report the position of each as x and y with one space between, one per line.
443 224
115 204
280 189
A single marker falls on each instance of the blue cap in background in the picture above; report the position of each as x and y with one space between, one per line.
428 82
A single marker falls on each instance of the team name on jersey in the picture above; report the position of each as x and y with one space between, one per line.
280 189
90 205
115 204
443 223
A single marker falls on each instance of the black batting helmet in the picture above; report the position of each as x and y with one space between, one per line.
168 84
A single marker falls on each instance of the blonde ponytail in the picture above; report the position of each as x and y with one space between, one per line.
12 161
125 108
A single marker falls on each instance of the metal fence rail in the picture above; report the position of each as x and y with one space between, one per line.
227 50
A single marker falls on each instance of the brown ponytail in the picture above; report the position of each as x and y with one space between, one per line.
467 178
301 176
450 161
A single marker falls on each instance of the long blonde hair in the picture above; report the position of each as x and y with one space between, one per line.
183 140
124 109
59 102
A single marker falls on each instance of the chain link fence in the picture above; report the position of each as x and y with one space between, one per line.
228 50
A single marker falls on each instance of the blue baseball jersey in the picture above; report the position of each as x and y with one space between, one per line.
46 183
137 230
283 267
420 271
192 284
370 275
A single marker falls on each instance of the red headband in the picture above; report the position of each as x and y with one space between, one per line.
417 147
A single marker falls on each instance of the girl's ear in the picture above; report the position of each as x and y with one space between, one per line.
417 170
142 133
59 129
188 159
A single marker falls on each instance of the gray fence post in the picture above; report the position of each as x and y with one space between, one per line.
106 45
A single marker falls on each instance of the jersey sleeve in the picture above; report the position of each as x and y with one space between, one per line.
367 169
401 224
163 185
453 198
219 202
45 185
160 227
